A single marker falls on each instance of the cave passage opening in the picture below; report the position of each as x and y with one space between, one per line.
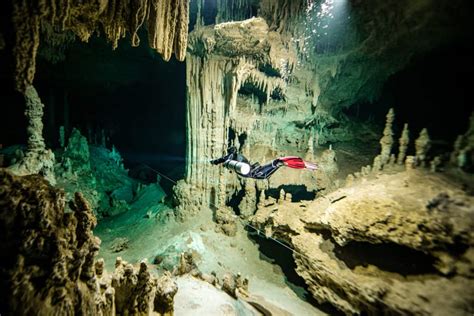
386 256
432 91
129 94
284 263
299 192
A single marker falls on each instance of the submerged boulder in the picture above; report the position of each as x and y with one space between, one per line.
398 243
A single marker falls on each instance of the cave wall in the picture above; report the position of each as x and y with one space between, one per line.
320 66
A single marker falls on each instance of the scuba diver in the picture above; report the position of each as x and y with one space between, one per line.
240 164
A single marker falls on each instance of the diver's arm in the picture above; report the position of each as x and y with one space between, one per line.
219 160
230 154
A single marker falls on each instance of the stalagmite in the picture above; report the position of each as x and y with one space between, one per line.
310 151
403 141
435 164
463 151
282 196
387 140
38 159
52 268
261 199
422 145
248 205
62 137
410 163
377 165
350 180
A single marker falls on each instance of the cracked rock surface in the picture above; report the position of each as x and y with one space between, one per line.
401 243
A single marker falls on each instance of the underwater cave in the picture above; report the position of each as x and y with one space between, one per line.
251 157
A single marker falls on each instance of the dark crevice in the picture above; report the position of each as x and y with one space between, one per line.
269 70
249 89
386 256
242 139
298 192
231 137
235 201
281 256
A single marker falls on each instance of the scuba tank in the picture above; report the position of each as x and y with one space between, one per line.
240 167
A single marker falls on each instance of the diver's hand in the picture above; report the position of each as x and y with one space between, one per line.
214 161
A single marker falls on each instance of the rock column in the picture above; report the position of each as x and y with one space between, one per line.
38 159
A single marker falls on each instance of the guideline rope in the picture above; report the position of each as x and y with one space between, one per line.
241 220
351 284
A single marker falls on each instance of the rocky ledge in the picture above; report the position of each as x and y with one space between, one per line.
400 243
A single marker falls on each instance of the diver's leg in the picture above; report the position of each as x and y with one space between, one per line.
265 171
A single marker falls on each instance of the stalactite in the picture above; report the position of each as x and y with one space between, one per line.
27 27
215 74
168 27
167 22
199 16
282 14
139 11
233 10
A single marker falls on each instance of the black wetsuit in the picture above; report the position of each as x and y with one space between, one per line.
256 171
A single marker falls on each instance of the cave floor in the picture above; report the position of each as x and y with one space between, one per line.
215 252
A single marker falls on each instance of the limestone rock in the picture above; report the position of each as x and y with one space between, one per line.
166 22
422 145
48 263
77 153
165 292
392 244
38 159
327 162
234 284
119 244
403 141
462 155
387 140
248 205
226 220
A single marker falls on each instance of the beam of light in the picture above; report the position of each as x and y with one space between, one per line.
326 25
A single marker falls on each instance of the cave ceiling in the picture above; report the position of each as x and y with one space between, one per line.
346 49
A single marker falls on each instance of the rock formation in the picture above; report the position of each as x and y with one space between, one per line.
386 141
38 159
404 140
422 145
98 173
48 258
76 156
463 152
248 205
385 245
222 59
166 21
268 85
